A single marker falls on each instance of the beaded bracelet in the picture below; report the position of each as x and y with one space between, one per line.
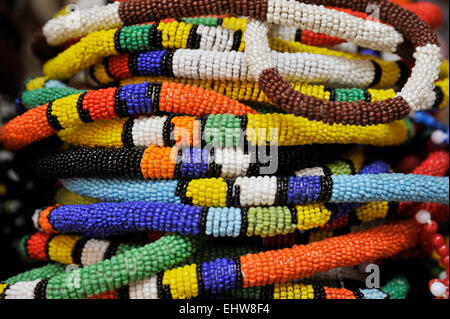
157 162
436 164
95 105
66 249
209 65
225 274
57 31
70 249
116 271
230 131
168 163
285 130
411 96
250 91
238 90
123 40
150 289
428 12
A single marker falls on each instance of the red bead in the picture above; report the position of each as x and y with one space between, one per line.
430 229
437 240
444 261
432 281
442 250
445 281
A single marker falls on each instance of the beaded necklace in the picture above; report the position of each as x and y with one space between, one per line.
73 110
208 41
210 65
95 105
224 274
428 12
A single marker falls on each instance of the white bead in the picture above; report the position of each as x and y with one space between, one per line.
423 216
438 289
438 137
443 275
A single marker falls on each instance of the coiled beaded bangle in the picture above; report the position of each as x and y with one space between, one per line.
67 249
57 30
139 38
225 131
209 65
239 90
150 289
157 162
428 12
114 272
70 249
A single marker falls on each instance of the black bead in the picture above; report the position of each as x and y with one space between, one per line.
367 95
84 114
298 35
78 249
120 106
237 38
53 120
404 73
40 289
378 72
127 133
319 292
439 96
192 37
133 64
111 250
123 292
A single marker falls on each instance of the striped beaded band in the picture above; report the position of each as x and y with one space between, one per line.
67 249
331 70
230 131
250 91
109 274
57 31
428 12
129 100
150 289
149 36
156 162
